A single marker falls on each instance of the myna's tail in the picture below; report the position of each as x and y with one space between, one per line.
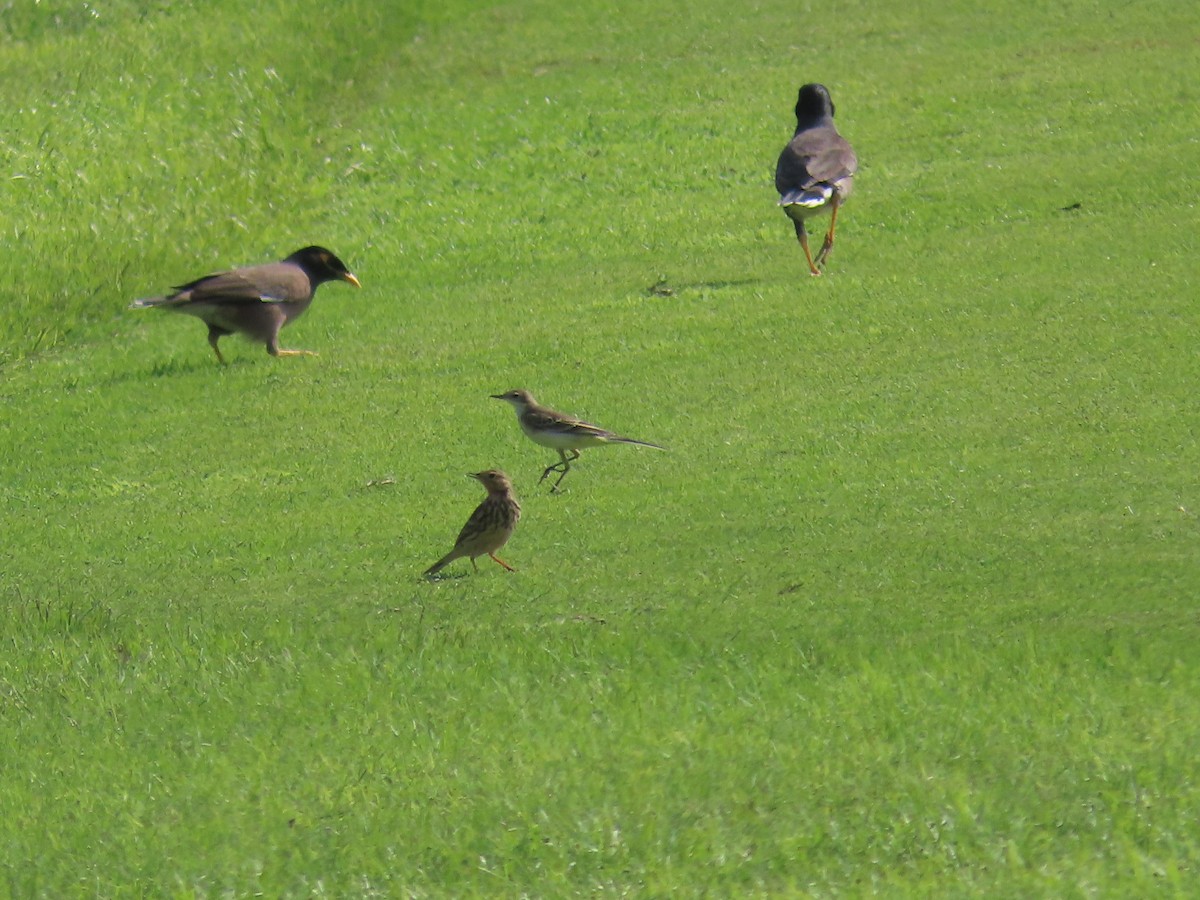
147 302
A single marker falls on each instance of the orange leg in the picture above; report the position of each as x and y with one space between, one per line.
275 350
828 244
495 558
803 236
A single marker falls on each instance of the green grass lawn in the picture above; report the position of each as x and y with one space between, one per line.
908 608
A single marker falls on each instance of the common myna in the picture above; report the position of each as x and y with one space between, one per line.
256 301
815 169
560 432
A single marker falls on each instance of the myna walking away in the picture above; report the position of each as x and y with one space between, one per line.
256 301
560 432
815 170
490 526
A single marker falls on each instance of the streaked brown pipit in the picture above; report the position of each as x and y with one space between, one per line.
815 170
490 526
560 432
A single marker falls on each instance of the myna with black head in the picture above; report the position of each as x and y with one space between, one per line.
815 170
256 301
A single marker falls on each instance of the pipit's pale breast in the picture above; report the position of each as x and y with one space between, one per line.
489 526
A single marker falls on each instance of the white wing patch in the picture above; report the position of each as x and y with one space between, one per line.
812 198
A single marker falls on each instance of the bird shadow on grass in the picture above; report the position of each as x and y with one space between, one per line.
171 368
664 287
448 576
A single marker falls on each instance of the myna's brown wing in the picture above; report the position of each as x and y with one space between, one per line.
816 156
273 282
224 287
791 173
833 160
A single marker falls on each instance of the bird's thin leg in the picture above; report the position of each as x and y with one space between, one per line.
828 243
474 565
561 466
566 464
803 236
548 470
213 337
502 562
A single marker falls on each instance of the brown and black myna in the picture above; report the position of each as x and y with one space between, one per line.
256 301
815 170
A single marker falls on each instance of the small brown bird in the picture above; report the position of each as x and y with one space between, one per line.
490 526
560 432
256 301
815 170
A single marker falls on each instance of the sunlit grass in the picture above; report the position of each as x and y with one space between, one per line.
905 608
